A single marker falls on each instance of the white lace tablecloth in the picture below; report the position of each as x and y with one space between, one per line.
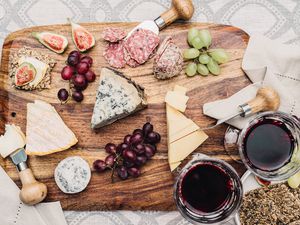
277 19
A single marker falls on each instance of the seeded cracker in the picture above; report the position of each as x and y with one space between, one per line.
273 205
28 52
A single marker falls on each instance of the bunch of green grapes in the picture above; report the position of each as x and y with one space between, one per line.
205 60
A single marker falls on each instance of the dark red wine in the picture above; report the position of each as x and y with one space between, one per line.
268 145
206 188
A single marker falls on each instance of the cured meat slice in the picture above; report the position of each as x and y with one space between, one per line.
114 54
140 44
113 34
129 61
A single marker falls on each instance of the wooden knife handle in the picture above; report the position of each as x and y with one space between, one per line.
267 99
32 191
181 9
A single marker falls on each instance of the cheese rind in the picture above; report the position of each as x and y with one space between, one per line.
177 100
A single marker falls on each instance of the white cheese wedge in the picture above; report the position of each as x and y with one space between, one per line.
184 135
46 131
177 100
11 140
40 67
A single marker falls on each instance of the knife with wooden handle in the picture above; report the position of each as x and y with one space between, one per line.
180 9
12 144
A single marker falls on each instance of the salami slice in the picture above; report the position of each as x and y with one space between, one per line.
114 54
129 61
113 34
141 44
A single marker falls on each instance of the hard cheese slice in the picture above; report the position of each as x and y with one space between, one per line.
11 140
177 100
117 97
46 131
184 136
41 69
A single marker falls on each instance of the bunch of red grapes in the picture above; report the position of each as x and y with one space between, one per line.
79 74
127 157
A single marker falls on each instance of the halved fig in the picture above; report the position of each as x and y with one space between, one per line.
24 74
82 38
54 42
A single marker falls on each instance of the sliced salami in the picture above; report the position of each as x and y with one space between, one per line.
141 44
113 34
114 54
129 61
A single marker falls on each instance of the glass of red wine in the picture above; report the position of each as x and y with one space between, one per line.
269 146
208 191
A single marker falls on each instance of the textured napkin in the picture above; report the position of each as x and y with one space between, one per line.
267 63
14 212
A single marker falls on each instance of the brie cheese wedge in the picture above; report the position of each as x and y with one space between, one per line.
46 131
40 67
184 135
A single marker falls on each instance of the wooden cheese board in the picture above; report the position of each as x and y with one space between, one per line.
154 189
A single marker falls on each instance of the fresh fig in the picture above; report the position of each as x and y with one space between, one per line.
54 42
24 74
82 38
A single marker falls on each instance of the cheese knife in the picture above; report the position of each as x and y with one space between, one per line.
180 9
12 144
266 99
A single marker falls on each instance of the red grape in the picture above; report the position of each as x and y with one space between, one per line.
134 172
87 59
127 139
90 76
136 138
121 147
111 148
147 128
140 160
82 67
122 172
99 165
153 137
77 96
129 155
110 160
128 164
63 95
79 81
73 60
75 53
149 151
67 72
137 131
139 149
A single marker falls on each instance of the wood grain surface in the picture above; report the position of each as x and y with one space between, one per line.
154 189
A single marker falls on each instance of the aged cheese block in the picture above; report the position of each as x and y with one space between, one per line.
46 132
117 97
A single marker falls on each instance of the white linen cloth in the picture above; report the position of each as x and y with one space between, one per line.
267 63
14 212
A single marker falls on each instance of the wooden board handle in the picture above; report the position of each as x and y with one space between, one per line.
181 9
32 191
267 99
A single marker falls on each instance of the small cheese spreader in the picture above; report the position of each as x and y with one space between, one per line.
12 144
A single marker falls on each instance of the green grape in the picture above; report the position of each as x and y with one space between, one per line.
202 70
294 181
213 67
190 53
192 33
191 69
204 58
219 55
205 37
197 43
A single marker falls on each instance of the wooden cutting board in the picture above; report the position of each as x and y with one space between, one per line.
154 189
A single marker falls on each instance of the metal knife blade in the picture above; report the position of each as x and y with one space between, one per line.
148 25
19 158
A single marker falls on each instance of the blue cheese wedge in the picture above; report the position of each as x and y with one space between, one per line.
72 175
41 69
116 98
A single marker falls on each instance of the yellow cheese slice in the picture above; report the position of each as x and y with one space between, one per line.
46 132
177 100
180 89
11 140
40 67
